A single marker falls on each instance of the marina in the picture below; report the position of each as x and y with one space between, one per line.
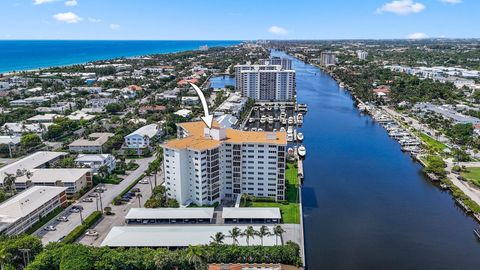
353 201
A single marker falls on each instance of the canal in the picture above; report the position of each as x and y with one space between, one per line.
366 204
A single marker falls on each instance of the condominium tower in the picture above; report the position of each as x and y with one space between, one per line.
204 166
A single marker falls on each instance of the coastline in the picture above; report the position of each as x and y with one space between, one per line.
107 50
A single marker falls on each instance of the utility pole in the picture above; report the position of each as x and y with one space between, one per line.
101 205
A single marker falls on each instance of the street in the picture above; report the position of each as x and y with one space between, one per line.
64 228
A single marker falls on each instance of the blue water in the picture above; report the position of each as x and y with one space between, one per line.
16 55
221 81
366 204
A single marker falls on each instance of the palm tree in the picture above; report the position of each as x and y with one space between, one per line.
278 232
9 182
218 238
103 171
194 255
249 232
264 231
139 196
234 233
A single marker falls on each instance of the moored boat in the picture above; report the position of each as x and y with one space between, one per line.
302 151
300 136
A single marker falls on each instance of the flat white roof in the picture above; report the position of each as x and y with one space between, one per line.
43 117
176 236
69 175
32 161
251 212
148 130
26 202
170 213
92 157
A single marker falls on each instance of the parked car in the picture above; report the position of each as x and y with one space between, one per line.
75 210
136 189
91 233
87 199
143 181
93 195
62 219
50 228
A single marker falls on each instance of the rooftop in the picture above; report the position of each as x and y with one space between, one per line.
26 202
175 236
148 130
197 140
170 213
32 161
95 139
53 175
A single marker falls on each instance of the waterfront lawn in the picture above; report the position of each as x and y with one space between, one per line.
472 174
432 143
290 208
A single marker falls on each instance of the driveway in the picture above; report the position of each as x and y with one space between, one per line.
64 228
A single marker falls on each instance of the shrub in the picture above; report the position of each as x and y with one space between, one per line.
81 229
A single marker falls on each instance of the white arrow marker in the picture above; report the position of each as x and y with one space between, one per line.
208 118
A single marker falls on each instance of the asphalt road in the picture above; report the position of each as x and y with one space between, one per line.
63 228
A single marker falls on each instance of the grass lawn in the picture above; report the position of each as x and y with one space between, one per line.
473 175
290 209
432 143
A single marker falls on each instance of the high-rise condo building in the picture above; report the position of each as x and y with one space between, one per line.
265 82
362 55
285 63
204 166
328 59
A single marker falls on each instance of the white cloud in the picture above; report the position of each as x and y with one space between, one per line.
94 20
114 26
401 7
67 17
277 30
417 36
40 2
71 3
451 1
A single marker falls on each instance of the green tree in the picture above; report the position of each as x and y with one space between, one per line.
218 238
195 255
30 140
114 108
235 233
278 232
249 233
262 232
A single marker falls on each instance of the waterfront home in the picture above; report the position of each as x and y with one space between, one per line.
96 161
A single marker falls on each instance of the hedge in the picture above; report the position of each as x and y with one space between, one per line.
43 220
127 189
81 229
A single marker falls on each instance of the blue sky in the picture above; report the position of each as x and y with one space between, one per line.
238 19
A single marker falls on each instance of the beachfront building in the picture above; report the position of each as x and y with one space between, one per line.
141 138
204 166
265 82
20 212
328 58
93 144
74 180
96 161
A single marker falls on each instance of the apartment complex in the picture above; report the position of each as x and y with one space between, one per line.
285 63
328 58
362 55
20 212
71 178
141 137
93 144
265 82
204 166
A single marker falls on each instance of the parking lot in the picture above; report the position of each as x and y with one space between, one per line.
64 228
119 211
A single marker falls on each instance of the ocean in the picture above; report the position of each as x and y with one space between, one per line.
17 55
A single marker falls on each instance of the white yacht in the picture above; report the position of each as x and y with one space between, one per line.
302 151
300 136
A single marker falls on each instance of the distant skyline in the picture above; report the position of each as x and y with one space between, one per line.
238 19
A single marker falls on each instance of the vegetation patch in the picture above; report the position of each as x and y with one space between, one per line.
472 174
81 229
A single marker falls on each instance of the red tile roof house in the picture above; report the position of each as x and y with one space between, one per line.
149 109
184 82
382 90
135 88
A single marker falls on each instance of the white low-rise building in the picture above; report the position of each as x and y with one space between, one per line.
20 212
140 138
96 161
71 178
93 144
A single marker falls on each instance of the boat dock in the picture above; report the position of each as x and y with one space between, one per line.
463 206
